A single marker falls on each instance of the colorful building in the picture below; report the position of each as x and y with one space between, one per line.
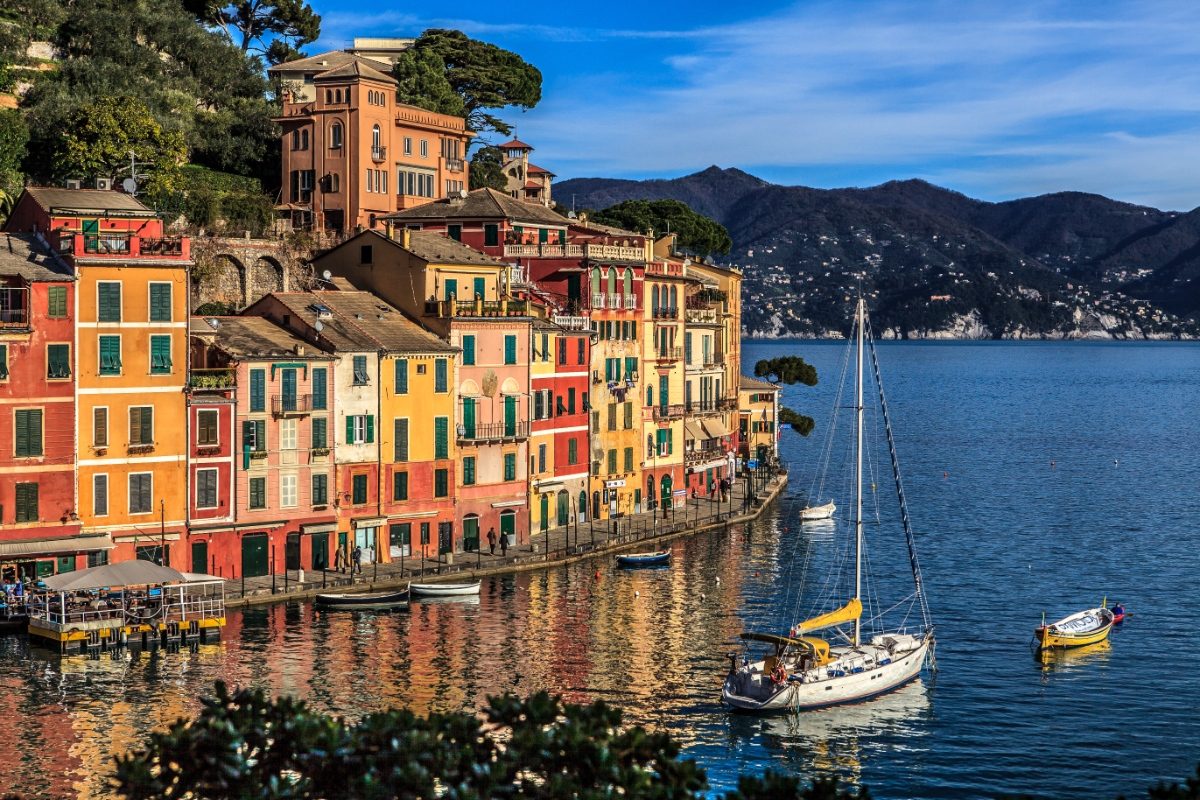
758 412
263 449
39 524
524 179
131 364
351 153
663 293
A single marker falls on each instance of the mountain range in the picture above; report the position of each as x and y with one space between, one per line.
935 263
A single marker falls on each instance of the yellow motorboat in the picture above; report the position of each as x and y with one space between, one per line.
1078 630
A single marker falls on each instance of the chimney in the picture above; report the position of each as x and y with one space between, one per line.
389 227
299 349
406 241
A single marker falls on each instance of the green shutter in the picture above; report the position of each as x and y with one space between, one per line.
260 435
146 425
510 349
3 362
400 445
58 361
22 425
320 436
440 483
57 301
110 355
628 415
469 471
160 302
319 390
109 297
629 459
441 437
612 461
401 376
439 375
370 428
468 347
258 390
349 430
160 355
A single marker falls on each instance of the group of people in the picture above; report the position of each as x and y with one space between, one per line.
352 561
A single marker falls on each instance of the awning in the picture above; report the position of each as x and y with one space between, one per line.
319 527
123 573
716 463
715 427
46 547
693 430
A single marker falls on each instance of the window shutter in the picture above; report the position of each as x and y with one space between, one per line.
349 430
22 423
401 437
320 437
468 346
146 426
441 444
109 293
439 375
370 428
401 376
260 435
510 349
318 389
538 405
160 302
258 390
99 494
628 415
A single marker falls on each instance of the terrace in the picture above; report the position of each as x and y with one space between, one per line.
123 245
493 432
14 308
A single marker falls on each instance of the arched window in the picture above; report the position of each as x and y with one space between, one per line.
650 489
649 395
628 282
304 139
674 300
612 280
596 280
655 304
335 182
296 140
649 454
335 135
376 136
337 95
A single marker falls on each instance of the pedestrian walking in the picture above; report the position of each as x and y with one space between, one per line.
724 490
357 566
492 541
339 559
504 545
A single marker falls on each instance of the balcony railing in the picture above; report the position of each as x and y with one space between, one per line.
14 307
123 244
571 323
673 411
609 252
669 353
714 360
702 454
701 315
283 405
454 165
702 407
631 302
614 301
664 268
478 308
379 154
728 404
517 275
598 300
665 312
493 431
208 378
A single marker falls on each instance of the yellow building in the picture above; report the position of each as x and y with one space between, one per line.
663 292
758 410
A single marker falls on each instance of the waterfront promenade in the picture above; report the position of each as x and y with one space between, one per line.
557 546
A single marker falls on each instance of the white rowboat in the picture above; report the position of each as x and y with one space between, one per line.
444 589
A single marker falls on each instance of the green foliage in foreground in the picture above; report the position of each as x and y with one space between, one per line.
244 744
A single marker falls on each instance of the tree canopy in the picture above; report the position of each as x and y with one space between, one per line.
487 169
449 72
274 29
787 370
696 233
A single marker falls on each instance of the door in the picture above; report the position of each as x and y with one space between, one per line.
480 284
65 564
573 288
471 534
564 508
595 505
510 415
665 493
320 550
445 538
508 526
200 557
469 417
451 289
91 227
545 512
291 551
289 391
254 555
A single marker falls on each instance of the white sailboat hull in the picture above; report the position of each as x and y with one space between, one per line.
818 512
856 674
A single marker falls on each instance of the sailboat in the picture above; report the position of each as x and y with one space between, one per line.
823 511
805 671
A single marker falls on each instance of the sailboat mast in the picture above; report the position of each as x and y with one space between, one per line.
860 321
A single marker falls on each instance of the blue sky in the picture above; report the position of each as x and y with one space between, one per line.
996 100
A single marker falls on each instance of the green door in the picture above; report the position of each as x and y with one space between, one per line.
469 417
665 492
510 415
254 555
65 564
664 391
289 390
564 508
291 551
320 550
508 527
91 227
480 283
471 534
573 288
200 557
545 509
451 289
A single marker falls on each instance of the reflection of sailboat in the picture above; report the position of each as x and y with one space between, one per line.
896 710
808 672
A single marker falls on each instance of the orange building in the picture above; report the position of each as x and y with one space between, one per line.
351 153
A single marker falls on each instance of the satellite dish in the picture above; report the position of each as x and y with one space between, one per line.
462 193
319 326
129 185
326 274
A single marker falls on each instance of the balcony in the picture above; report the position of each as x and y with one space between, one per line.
702 407
14 307
728 404
517 275
691 457
454 165
614 301
665 312
713 361
446 309
379 154
701 316
211 379
125 245
675 411
598 300
669 353
609 252
631 303
571 323
664 268
286 405
493 432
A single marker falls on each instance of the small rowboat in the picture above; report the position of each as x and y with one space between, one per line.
1118 612
444 589
655 559
375 601
1079 629
818 512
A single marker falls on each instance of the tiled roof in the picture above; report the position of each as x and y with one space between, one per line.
438 249
321 62
246 338
746 382
86 200
483 204
610 230
534 169
361 321
515 144
22 254
354 69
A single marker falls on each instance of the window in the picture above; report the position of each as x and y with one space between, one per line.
258 493
206 488
28 434
510 349
439 376
99 495
359 489
27 502
160 355
541 458
320 490
360 429
320 393
441 437
3 362
408 145
366 254
141 492
491 235
160 302
360 371
441 483
510 466
206 427
258 390
424 148
454 232
108 301
572 451
612 461
468 348
629 459
110 355
100 427
628 415
320 433
579 357
141 425
287 434
469 471
612 416
424 533
304 139
335 135
376 137
399 485
58 361
56 305
401 376
254 436
400 440
287 491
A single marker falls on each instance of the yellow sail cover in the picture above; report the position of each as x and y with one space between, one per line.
847 613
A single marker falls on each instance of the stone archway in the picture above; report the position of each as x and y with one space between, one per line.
266 276
219 281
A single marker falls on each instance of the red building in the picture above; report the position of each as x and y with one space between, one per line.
39 526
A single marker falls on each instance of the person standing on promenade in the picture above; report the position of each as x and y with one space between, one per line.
357 566
504 545
339 559
492 541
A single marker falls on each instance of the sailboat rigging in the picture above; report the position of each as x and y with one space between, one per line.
806 671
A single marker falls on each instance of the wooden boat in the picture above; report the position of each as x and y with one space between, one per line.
825 511
1077 630
444 589
655 559
372 601
1118 614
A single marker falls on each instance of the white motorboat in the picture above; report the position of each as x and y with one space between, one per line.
444 589
825 511
807 672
